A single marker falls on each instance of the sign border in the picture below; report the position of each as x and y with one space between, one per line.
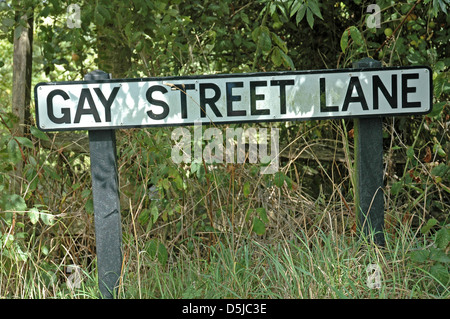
233 75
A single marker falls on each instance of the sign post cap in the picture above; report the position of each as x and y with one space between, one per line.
97 75
367 63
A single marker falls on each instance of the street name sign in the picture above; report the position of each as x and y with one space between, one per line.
233 98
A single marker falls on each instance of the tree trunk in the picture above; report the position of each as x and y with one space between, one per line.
114 56
21 93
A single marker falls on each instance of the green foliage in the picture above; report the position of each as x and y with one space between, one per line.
434 259
259 220
157 250
412 33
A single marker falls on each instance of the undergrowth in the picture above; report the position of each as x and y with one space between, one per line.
222 231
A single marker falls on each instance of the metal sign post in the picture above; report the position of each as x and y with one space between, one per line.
105 189
369 195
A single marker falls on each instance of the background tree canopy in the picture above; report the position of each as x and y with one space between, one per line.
46 213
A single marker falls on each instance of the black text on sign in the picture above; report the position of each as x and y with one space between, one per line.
234 98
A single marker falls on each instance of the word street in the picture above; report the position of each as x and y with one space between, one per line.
255 97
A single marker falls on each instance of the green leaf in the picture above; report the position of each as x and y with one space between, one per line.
437 109
441 84
287 61
18 31
276 56
33 214
165 183
198 169
314 6
47 219
245 18
410 153
264 40
178 181
8 22
139 46
430 224
155 249
19 253
295 7
439 66
45 250
279 179
13 151
258 226
437 148
439 255
45 12
272 8
8 240
356 36
154 213
262 214
344 41
89 206
128 31
246 189
396 187
442 238
440 272
279 42
441 170
15 203
144 216
256 33
39 134
99 20
104 12
300 14
419 256
443 5
152 248
85 193
24 141
163 256
310 18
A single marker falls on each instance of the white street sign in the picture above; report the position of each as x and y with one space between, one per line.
233 98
